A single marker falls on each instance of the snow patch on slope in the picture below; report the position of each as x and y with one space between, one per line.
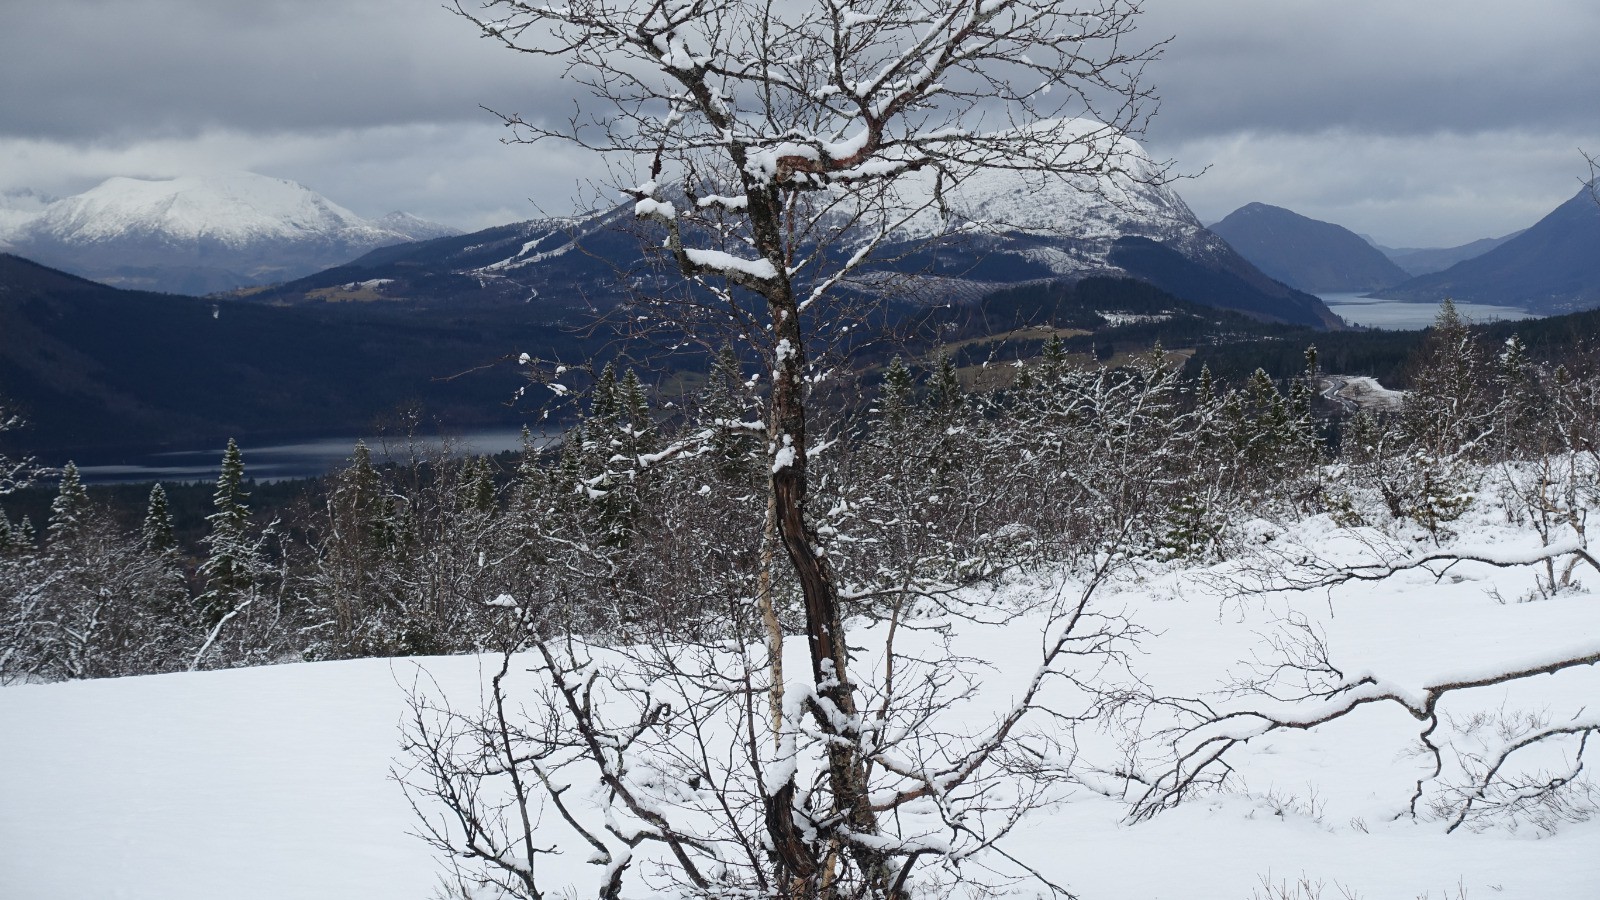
18 209
1128 199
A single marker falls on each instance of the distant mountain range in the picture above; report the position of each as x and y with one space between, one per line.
1314 256
99 371
1551 268
197 235
1424 260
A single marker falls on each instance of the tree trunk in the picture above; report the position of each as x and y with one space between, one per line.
835 710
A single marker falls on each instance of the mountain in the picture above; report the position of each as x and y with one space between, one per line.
561 268
414 228
1552 268
1020 226
1425 260
202 234
1314 256
92 367
1002 228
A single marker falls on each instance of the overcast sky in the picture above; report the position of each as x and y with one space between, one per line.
1419 122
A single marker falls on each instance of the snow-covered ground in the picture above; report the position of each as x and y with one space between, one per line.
274 782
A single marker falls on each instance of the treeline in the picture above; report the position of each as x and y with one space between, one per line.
645 522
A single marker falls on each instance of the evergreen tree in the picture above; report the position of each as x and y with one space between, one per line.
896 395
723 407
9 540
1206 390
156 532
24 534
229 569
637 429
1053 362
477 487
70 508
229 500
945 394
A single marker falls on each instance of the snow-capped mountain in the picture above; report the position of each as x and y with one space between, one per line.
414 228
198 234
1131 198
1004 227
1020 225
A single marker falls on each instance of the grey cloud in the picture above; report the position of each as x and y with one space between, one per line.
1379 67
1404 190
81 70
1420 122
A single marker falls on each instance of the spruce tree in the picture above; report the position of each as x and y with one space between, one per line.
229 567
156 533
24 534
723 406
1053 362
69 509
639 427
945 394
895 397
1206 391
478 485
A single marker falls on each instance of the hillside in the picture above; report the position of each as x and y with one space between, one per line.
1313 256
1553 267
94 367
997 229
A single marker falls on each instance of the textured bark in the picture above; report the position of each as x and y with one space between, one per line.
835 711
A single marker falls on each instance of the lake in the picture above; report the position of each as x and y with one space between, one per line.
1397 315
307 458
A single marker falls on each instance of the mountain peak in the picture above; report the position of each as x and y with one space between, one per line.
207 232
232 208
414 227
1312 255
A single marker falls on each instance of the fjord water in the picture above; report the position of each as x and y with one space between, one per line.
305 458
1398 315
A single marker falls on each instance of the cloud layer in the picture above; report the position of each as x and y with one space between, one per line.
1419 125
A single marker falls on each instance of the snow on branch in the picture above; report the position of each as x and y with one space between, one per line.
1200 749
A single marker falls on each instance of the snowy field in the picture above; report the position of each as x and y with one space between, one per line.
274 783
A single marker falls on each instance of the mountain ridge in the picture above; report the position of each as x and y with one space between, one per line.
1427 260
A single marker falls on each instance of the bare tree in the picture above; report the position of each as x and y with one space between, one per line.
15 474
1593 183
786 146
